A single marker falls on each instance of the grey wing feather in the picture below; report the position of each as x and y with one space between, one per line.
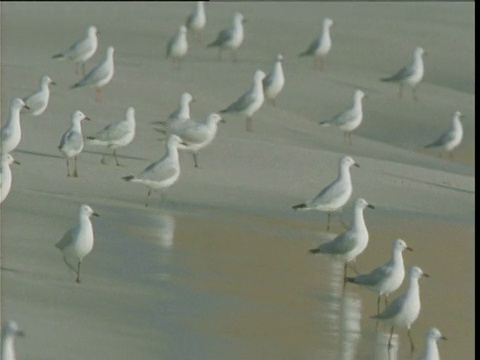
157 171
402 74
442 140
241 104
328 194
33 101
93 76
374 277
223 36
392 309
114 131
343 243
268 80
311 49
71 139
170 45
66 239
341 118
195 134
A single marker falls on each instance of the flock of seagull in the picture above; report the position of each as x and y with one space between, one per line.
183 133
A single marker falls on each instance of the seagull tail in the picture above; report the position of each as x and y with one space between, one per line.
299 207
94 141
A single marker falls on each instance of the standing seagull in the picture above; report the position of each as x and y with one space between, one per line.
82 50
71 143
162 173
177 46
431 350
411 74
334 196
387 278
99 75
197 135
230 38
404 310
11 132
321 46
197 20
451 138
116 134
10 331
250 101
274 81
348 120
351 243
38 101
78 241
6 175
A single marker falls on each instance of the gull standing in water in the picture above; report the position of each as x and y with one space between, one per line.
404 310
334 196
115 135
162 173
6 175
177 46
451 138
197 20
71 143
411 74
230 38
321 46
387 278
99 76
78 241
431 349
82 50
250 101
351 243
348 120
10 331
38 102
275 81
11 132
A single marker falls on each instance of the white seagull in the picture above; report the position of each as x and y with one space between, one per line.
10 331
197 135
38 102
6 175
432 335
99 76
334 196
351 243
411 74
82 50
177 46
115 135
404 310
78 241
11 132
197 20
321 46
386 278
71 143
250 101
162 173
230 38
348 120
451 138
275 81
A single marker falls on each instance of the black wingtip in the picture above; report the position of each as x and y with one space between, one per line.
128 178
299 206
350 279
313 251
90 138
57 56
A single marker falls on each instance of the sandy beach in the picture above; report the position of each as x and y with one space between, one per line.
220 268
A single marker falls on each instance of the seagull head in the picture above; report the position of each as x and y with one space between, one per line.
361 203
359 94
279 58
239 18
259 76
401 245
435 334
327 22
417 273
18 103
92 31
8 159
348 161
46 80
11 328
79 116
419 51
86 210
183 29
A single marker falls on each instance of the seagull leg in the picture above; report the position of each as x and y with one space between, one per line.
148 197
68 168
195 160
412 347
116 158
69 265
390 339
345 275
353 266
78 273
249 123
75 174
414 91
103 161
328 220
98 94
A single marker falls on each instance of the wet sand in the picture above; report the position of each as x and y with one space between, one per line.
220 268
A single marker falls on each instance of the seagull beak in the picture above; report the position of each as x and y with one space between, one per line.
27 107
20 333
355 164
53 83
222 121
95 214
409 248
16 162
86 118
443 338
371 206
426 275
193 100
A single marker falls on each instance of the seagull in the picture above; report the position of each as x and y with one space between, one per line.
411 74
177 46
38 101
197 20
6 175
250 101
78 241
82 50
99 76
10 331
451 138
351 243
321 46
348 120
183 110
11 132
163 173
386 278
197 135
404 310
431 350
335 195
71 143
230 38
275 81
115 135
